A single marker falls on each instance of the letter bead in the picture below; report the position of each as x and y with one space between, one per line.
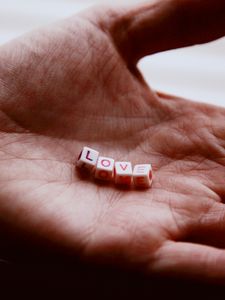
142 176
123 173
87 159
105 168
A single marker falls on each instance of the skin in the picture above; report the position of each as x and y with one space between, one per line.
76 84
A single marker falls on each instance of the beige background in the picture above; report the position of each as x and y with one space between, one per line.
197 72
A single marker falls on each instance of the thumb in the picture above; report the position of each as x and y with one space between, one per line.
167 24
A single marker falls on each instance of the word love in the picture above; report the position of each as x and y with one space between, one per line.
105 168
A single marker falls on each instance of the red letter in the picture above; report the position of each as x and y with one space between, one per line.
123 168
105 163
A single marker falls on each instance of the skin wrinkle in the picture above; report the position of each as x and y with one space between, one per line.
217 218
215 150
179 227
33 142
110 71
187 226
190 136
222 148
179 182
215 195
22 83
172 193
24 139
99 219
213 215
206 213
37 160
123 228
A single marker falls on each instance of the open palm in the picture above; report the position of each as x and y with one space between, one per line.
76 84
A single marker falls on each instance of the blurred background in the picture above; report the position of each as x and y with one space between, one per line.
197 72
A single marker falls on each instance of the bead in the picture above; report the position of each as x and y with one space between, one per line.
123 173
104 169
87 159
142 176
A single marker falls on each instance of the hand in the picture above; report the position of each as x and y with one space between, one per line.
75 84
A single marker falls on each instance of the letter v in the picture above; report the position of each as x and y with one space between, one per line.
124 167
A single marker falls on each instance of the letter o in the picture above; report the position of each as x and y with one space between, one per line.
105 163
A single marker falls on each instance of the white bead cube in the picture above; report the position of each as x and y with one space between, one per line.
142 176
87 159
105 168
123 173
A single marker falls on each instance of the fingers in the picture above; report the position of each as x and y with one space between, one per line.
167 24
193 261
